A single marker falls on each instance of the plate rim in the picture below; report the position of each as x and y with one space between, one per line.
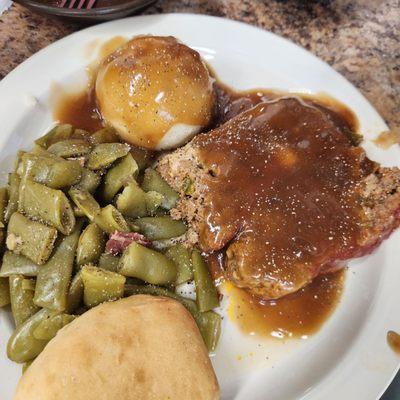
8 79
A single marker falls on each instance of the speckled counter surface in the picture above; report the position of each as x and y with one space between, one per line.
359 38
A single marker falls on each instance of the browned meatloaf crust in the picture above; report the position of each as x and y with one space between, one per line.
379 196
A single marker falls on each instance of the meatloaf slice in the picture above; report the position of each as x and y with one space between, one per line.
373 192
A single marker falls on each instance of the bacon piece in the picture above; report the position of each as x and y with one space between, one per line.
119 241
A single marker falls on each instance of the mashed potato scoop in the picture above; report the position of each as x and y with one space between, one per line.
156 92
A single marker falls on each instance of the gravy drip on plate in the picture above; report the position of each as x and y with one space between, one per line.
393 339
78 109
297 315
282 190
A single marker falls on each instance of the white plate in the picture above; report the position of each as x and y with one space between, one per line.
349 357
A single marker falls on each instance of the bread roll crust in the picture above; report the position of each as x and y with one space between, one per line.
141 347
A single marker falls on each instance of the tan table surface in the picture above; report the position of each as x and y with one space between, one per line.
359 38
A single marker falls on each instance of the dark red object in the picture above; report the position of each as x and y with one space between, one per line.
119 241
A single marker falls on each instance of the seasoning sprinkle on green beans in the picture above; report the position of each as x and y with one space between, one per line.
148 265
206 293
104 154
100 285
70 148
110 220
58 133
105 135
14 264
4 292
132 201
53 270
152 181
158 228
22 291
125 171
3 205
13 193
22 345
181 257
50 170
109 262
46 205
85 202
75 294
90 246
54 277
30 238
90 180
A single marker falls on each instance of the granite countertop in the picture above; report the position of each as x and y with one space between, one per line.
359 38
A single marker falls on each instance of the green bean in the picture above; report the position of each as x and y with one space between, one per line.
46 205
152 180
81 134
18 162
26 365
30 238
123 172
181 258
70 148
143 157
53 279
22 345
104 154
4 292
78 212
90 246
85 202
59 132
13 192
48 327
157 228
3 205
14 264
37 150
105 135
90 180
109 262
50 170
2 240
100 285
206 293
209 323
154 201
146 264
22 291
210 329
132 201
110 220
75 294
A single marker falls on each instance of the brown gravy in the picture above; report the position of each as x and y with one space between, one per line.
387 139
393 339
281 193
298 315
78 109
231 102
